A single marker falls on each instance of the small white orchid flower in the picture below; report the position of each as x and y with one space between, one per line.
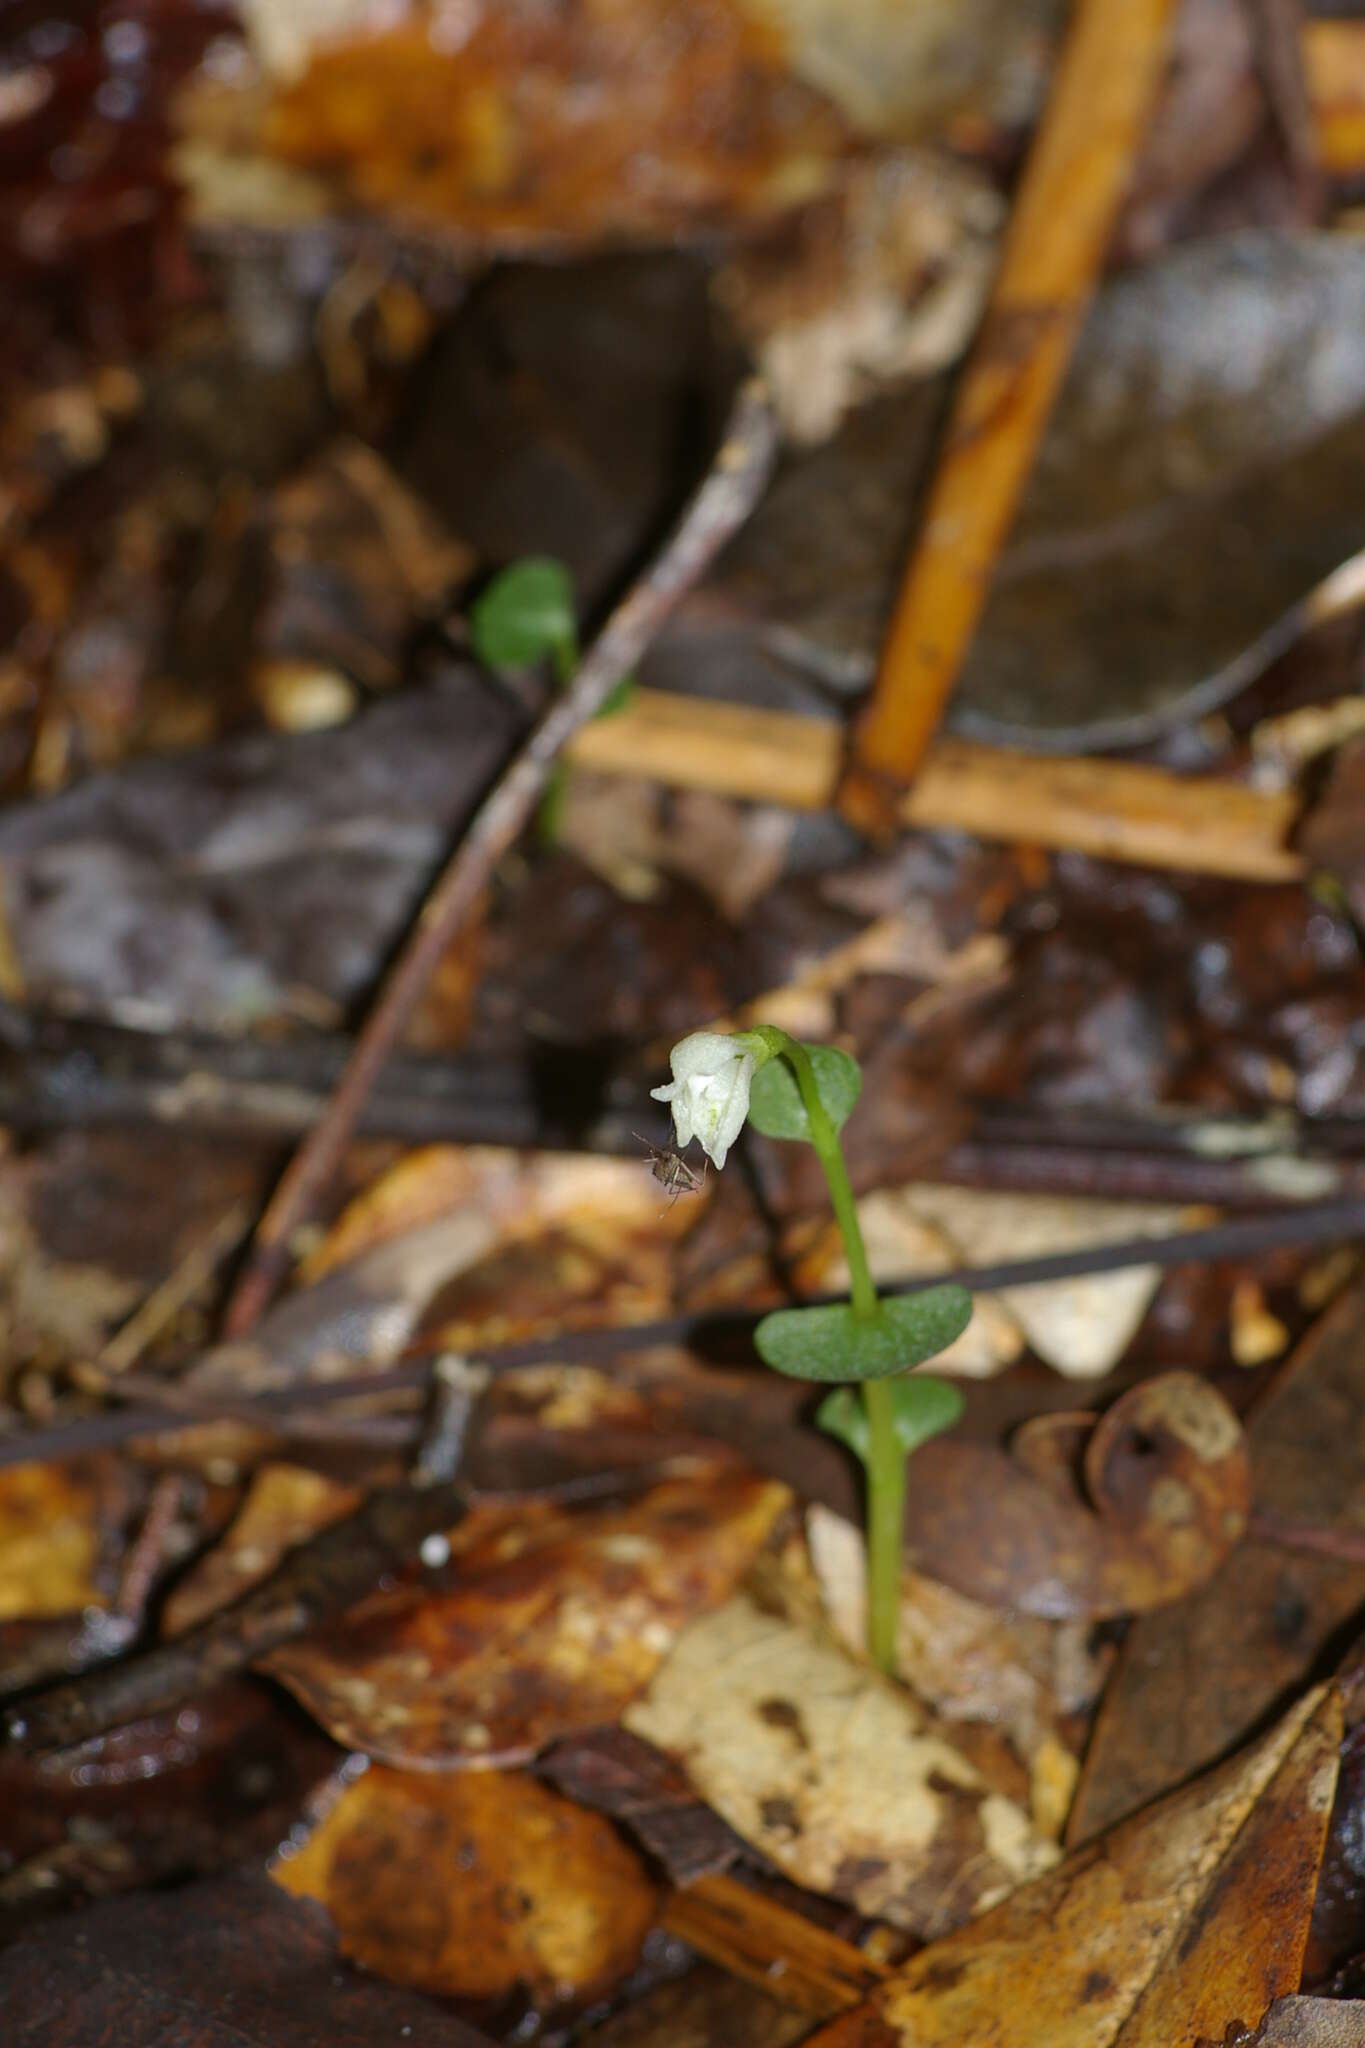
709 1092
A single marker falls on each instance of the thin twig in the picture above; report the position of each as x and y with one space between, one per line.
1304 1225
719 508
1320 1539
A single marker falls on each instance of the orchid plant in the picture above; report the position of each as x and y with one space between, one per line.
868 1346
864 1347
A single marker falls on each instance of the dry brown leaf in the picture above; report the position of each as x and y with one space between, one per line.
844 1780
49 1540
286 1505
1167 1494
543 1622
1185 1921
526 123
472 1884
1265 1623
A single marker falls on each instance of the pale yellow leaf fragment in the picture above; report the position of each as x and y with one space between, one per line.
847 1782
1188 1917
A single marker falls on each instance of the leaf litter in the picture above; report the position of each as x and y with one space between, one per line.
603 1665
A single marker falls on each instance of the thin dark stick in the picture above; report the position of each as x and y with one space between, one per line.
1301 1227
1320 1539
719 508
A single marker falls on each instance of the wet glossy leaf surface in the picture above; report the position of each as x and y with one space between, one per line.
543 1622
226 1964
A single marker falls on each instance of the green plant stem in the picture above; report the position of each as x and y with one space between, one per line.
885 1459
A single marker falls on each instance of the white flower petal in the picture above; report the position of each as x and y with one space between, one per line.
709 1092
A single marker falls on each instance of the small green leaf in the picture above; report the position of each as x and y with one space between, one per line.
833 1344
923 1406
775 1105
525 614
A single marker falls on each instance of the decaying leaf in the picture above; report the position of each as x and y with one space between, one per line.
535 125
1181 1925
50 1539
228 1964
1311 2023
172 1796
1168 1489
845 1781
709 2006
286 1505
1189 497
1014 1672
543 1622
474 1883
209 888
1260 1627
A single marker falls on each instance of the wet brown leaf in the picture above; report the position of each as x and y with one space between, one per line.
1186 501
177 1795
1168 1489
542 1623
843 1780
709 2006
1184 1923
211 887
286 1505
1260 1627
228 1964
473 1884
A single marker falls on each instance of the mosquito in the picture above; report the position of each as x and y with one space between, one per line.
673 1172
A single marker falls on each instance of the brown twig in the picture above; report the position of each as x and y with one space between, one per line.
1072 186
1303 1225
719 508
1320 1539
147 1557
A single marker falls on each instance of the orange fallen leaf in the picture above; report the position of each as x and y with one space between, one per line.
473 1883
49 1540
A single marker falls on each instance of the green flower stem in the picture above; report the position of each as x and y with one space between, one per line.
885 1523
885 1459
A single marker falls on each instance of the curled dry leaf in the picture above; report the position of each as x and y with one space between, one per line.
1262 1626
843 1780
543 1622
472 1884
1182 1925
1169 1485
